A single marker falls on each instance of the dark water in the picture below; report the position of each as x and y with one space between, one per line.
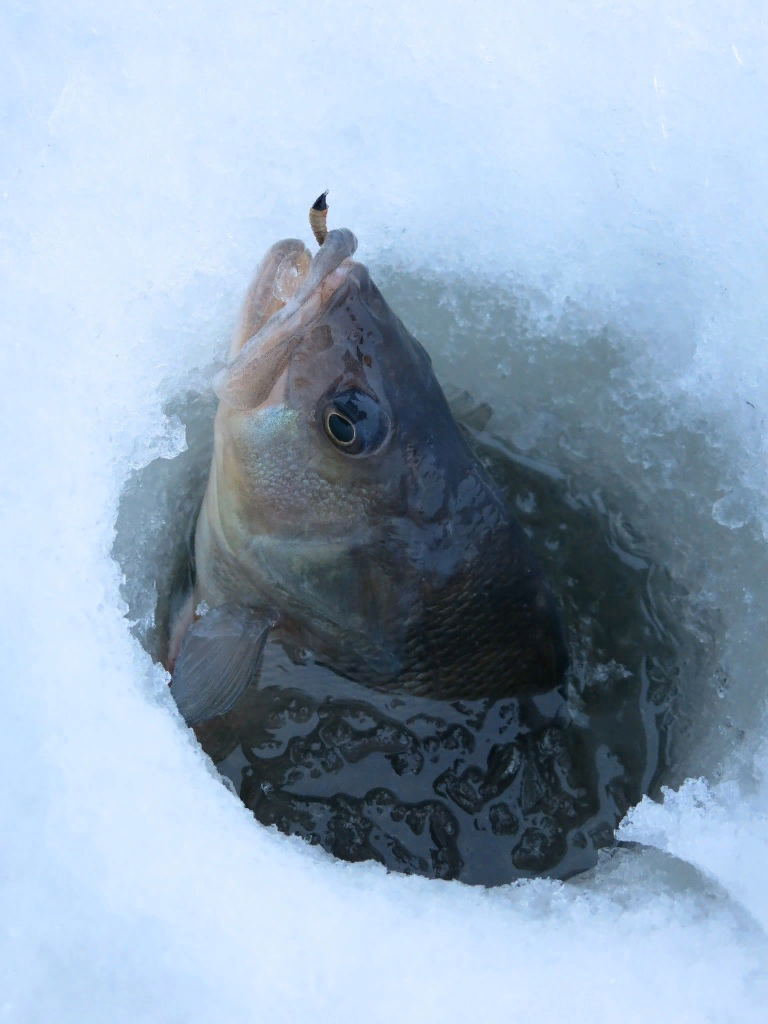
482 791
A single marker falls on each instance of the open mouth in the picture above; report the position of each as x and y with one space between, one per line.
293 291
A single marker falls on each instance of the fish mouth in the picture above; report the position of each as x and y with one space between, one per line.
291 291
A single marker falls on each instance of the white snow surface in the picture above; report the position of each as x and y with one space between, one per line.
606 163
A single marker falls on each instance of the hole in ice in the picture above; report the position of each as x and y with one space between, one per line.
480 791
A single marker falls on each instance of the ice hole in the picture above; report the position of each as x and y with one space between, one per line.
482 792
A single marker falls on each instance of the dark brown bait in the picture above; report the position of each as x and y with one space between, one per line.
318 213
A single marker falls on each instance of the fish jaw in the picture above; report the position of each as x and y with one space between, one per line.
278 278
286 297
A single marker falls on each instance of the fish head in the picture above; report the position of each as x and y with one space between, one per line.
343 493
331 418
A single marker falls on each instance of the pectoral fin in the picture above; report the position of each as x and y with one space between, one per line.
220 656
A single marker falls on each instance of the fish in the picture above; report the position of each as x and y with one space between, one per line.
346 513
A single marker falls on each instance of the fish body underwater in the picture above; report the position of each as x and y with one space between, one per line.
346 513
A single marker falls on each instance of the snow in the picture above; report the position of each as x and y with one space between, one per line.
593 175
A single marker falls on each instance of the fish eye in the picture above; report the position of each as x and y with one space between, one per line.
340 429
354 422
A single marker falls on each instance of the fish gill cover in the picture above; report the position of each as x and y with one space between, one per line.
567 204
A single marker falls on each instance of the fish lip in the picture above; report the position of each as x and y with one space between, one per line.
337 249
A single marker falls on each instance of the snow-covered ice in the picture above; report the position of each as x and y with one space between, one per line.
594 174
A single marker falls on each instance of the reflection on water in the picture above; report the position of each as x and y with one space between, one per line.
454 791
472 790
480 791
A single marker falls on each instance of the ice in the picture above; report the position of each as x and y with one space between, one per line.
568 203
716 828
